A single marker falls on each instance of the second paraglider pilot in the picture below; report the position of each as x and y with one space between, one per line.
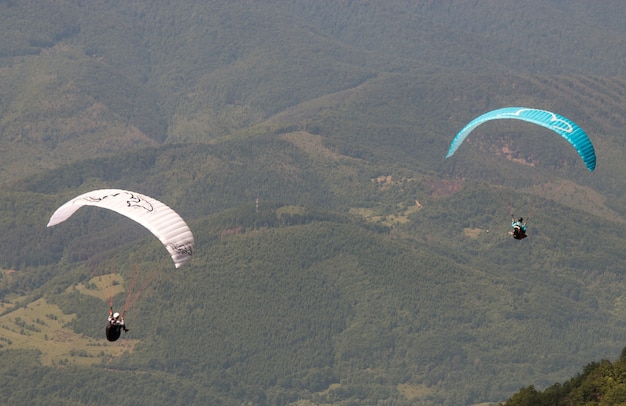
519 228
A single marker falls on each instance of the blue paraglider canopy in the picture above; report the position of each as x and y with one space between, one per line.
563 126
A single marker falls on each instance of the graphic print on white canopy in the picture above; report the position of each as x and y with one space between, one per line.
160 219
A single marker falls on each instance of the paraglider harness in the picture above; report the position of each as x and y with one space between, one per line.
519 228
115 325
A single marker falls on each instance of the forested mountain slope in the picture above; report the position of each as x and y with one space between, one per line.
340 258
598 383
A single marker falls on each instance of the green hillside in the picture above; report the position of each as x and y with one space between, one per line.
340 259
600 383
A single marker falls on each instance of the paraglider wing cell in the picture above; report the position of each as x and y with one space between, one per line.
563 126
161 220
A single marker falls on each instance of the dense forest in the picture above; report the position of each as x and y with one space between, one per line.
600 383
340 258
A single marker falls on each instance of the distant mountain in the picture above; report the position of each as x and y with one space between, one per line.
340 258
125 75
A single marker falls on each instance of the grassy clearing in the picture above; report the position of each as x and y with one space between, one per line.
42 326
102 286
314 145
390 219
474 232
412 392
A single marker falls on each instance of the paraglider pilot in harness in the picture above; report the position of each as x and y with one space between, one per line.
519 228
115 325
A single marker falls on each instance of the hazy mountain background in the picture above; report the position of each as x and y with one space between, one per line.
340 259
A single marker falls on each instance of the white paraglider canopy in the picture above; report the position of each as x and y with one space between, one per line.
161 220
